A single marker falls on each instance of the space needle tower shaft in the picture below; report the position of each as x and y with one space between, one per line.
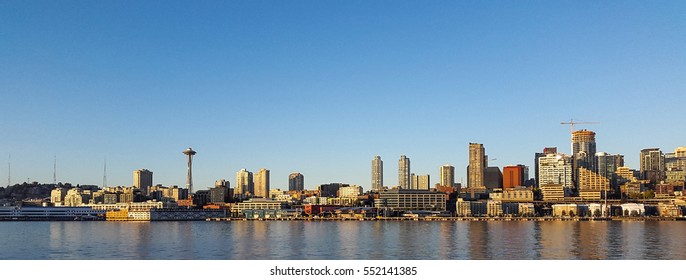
189 178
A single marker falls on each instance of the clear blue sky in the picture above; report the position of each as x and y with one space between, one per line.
320 87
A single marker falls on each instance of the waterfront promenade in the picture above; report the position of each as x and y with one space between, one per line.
538 219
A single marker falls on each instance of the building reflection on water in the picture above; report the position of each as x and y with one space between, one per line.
302 240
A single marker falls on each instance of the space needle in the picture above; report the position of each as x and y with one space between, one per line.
189 179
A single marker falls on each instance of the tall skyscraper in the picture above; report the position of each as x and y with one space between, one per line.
244 183
477 166
261 182
377 174
556 169
675 166
296 182
607 167
513 176
142 179
447 172
404 179
652 165
546 151
584 150
420 182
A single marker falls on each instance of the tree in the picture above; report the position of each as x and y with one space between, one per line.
648 194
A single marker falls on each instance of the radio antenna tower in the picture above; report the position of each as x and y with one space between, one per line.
104 175
54 171
9 170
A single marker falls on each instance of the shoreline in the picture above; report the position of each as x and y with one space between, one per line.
453 219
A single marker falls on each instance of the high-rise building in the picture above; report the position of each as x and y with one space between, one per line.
377 174
513 176
493 178
331 189
477 165
296 182
222 183
556 169
607 167
591 184
349 191
447 175
675 166
625 175
261 183
652 165
420 182
404 179
142 180
546 151
244 183
219 194
584 150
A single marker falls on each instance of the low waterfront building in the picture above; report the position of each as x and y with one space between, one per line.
140 206
408 199
165 214
526 209
185 214
357 212
494 208
478 208
271 213
633 209
255 204
463 208
316 209
514 195
565 210
50 213
510 209
553 192
597 210
670 210
128 215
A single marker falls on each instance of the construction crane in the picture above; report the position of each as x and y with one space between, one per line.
571 124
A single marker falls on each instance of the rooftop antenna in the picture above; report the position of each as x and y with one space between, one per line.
104 175
9 170
54 171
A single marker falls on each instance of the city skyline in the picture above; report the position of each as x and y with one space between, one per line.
323 88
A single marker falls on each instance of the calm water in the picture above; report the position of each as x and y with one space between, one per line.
343 240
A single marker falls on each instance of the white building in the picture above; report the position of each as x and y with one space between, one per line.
633 209
350 191
556 169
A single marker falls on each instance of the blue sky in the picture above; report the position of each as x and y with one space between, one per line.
320 87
